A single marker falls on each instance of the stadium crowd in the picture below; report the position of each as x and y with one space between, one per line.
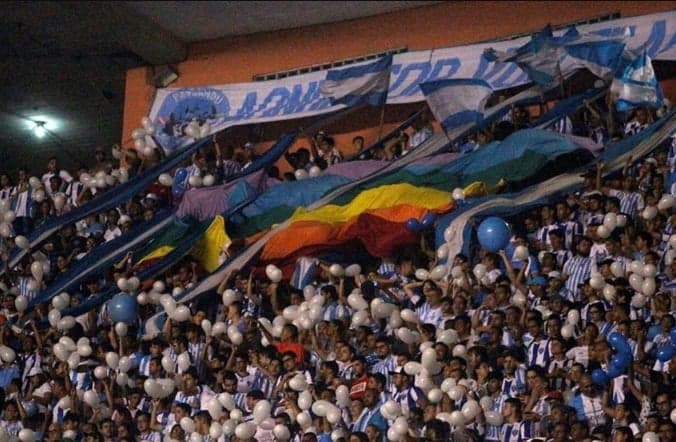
503 346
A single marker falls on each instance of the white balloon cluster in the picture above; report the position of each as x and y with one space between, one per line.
159 388
642 280
195 130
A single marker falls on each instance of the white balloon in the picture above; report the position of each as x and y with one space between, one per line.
337 270
650 436
649 270
567 331
187 424
649 212
140 144
7 354
342 396
112 359
409 315
229 427
617 269
21 302
621 220
438 273
673 416
208 180
91 398
305 400
458 194
281 432
9 216
195 181
5 230
435 395
610 221
520 253
22 242
34 182
470 409
303 419
84 350
166 180
636 282
597 281
493 418
133 284
26 435
448 337
301 174
648 286
37 271
152 388
603 232
39 195
245 430
181 314
457 418
456 393
422 274
183 362
273 273
356 301
573 317
390 409
412 368
360 318
460 351
479 271
121 329
392 435
100 372
666 202
124 364
54 315
66 323
122 284
638 300
138 133
298 383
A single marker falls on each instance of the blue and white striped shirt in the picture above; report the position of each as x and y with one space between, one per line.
578 268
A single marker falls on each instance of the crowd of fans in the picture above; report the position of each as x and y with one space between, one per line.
501 347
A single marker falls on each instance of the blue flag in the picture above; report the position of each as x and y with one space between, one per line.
635 84
367 83
548 59
457 102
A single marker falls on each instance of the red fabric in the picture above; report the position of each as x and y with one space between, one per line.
358 387
293 347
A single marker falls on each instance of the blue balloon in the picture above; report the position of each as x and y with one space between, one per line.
413 225
429 219
614 371
494 234
122 308
599 377
509 249
180 180
665 353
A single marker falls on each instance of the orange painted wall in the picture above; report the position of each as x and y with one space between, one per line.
237 59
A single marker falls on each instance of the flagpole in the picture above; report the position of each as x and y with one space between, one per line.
563 90
382 122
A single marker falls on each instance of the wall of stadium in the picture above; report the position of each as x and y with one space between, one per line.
238 59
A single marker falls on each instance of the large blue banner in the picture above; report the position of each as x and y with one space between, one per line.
218 107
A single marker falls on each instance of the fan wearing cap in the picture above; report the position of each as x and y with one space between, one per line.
405 393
